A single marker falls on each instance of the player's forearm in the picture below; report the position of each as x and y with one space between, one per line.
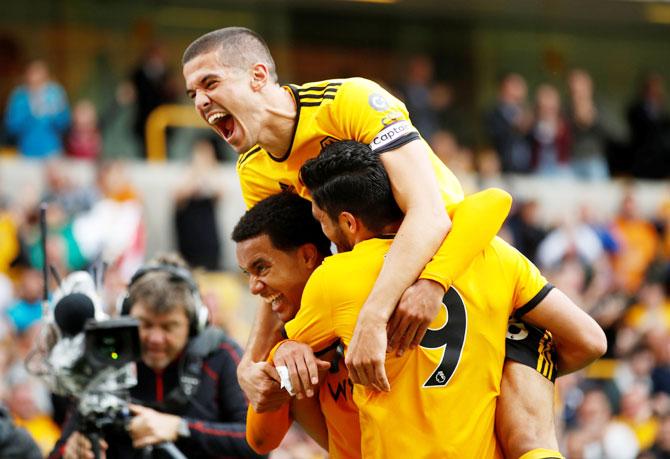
265 333
414 245
266 431
579 339
573 356
476 220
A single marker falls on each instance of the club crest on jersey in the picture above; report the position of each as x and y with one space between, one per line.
516 331
378 102
327 141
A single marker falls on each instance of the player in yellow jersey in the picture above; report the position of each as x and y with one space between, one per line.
443 397
280 239
231 77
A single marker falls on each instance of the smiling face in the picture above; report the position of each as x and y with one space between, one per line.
278 276
226 97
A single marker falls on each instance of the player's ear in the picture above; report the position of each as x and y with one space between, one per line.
260 75
309 255
348 222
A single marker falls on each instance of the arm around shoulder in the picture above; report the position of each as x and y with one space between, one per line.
579 339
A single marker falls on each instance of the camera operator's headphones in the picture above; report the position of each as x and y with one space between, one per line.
197 318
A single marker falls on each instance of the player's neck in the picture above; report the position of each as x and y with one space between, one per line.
364 233
281 114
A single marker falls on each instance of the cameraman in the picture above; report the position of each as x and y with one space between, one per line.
176 350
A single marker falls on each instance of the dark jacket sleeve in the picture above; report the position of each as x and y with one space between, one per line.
227 437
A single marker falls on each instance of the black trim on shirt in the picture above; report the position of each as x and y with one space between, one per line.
298 106
243 157
399 142
526 308
330 347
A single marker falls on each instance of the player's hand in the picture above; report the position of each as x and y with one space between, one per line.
150 427
79 447
367 353
303 367
260 383
417 308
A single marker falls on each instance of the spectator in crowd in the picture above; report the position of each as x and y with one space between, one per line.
196 200
27 309
28 401
637 240
589 139
637 413
84 140
550 136
15 442
508 124
525 228
649 126
597 435
417 95
154 86
38 113
62 189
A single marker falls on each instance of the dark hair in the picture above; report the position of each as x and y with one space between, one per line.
349 176
286 219
238 47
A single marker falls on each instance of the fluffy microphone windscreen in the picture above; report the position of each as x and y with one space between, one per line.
72 312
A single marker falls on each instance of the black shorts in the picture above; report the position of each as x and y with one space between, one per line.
532 347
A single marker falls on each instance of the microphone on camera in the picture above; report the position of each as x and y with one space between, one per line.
71 313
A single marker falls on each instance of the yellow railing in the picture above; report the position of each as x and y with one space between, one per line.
163 117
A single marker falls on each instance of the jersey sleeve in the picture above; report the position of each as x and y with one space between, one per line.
476 221
313 324
530 286
267 430
366 112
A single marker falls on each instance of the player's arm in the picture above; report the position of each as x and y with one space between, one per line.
476 220
266 431
258 378
579 339
422 231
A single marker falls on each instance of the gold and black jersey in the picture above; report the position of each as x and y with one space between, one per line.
443 393
328 111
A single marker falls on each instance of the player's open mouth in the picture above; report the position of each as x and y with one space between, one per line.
274 300
224 123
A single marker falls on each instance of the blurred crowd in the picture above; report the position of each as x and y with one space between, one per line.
616 266
562 130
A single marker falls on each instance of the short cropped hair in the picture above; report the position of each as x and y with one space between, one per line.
159 289
348 176
238 47
287 220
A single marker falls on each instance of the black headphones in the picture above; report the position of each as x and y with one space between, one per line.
198 317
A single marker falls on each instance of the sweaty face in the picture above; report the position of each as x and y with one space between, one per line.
162 336
224 99
332 229
278 276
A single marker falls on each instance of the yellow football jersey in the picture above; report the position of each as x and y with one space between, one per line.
443 394
328 111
